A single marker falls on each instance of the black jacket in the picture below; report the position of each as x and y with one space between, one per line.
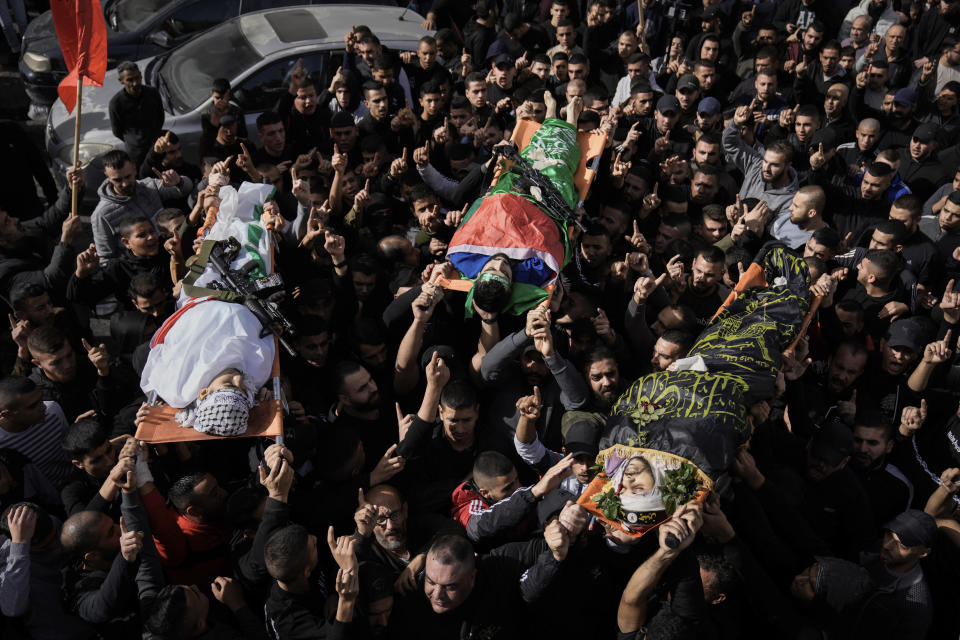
509 576
36 259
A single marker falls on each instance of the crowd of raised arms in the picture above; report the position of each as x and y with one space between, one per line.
426 485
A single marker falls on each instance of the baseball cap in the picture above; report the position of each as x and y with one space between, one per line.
709 107
926 132
502 58
227 119
832 443
581 438
905 333
905 96
688 82
668 103
914 528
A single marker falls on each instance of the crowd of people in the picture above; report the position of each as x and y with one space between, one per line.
434 449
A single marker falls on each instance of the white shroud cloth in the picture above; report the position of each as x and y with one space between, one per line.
208 338
214 335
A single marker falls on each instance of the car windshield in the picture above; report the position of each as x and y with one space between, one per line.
128 15
190 70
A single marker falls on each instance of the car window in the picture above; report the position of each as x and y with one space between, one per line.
261 90
200 15
127 15
189 71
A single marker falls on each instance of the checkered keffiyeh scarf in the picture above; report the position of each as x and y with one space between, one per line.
222 413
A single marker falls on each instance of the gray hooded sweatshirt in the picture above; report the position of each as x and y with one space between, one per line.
750 161
147 200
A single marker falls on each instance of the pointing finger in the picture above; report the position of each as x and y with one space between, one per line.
660 279
157 173
536 395
331 539
399 413
13 322
389 452
86 345
360 498
243 148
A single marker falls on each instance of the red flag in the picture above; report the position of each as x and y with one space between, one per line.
82 33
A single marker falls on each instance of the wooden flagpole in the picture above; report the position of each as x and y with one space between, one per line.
74 195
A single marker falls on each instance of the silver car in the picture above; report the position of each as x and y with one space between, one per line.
256 52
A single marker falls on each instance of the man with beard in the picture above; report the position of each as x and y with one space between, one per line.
900 121
358 408
885 386
704 290
807 209
816 399
392 545
887 488
768 174
669 348
136 112
919 167
122 195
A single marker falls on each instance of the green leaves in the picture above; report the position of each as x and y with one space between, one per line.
609 505
679 486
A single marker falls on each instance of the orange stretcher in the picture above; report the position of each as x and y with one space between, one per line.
266 419
591 143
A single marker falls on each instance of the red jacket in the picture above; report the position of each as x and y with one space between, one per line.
192 553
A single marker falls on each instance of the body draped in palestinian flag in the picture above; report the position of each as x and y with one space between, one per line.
207 336
509 220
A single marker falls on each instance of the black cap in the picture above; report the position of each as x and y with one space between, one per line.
832 443
926 132
668 103
688 82
581 439
227 119
914 528
906 333
502 58
445 352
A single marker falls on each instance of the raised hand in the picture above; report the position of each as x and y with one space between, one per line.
279 480
172 245
387 467
437 372
87 262
651 201
163 144
404 423
343 550
131 542
644 287
529 406
362 198
169 178
365 517
98 356
912 418
334 245
553 477
421 155
298 76
950 304
557 539
662 144
848 408
939 351
21 523
399 166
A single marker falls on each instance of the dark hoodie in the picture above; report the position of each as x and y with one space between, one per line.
115 278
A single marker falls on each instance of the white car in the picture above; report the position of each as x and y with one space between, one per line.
256 52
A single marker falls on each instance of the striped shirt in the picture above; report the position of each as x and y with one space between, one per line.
41 444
